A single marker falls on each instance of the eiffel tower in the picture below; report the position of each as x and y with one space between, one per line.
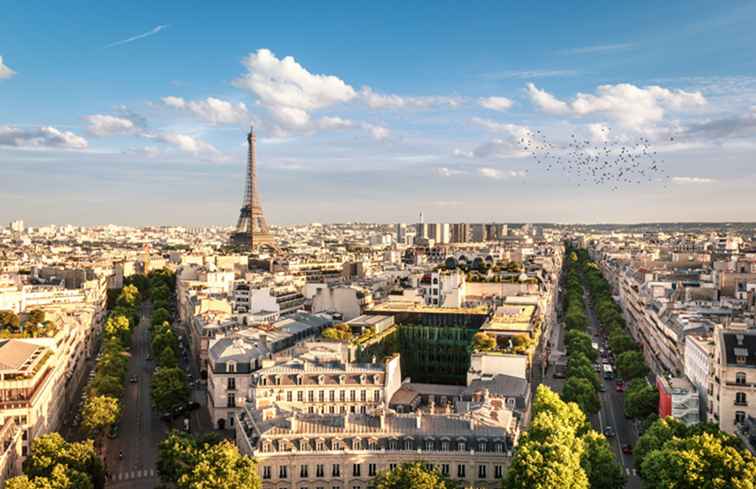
252 230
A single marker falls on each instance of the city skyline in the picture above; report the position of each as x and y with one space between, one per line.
423 111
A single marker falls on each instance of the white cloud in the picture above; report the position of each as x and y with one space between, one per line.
376 100
212 110
599 132
149 33
500 174
40 137
509 146
692 180
378 133
460 153
546 102
495 103
447 172
107 125
5 71
288 90
185 142
332 122
631 106
598 49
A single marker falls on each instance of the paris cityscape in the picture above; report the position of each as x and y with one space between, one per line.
434 245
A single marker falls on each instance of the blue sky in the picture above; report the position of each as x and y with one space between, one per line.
135 112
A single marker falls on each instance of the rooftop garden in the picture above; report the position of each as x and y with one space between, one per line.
30 325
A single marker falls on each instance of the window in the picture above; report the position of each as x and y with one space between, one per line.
481 471
289 396
283 472
231 400
429 467
740 378
231 368
356 470
740 399
461 446
352 395
299 380
336 470
300 396
376 395
445 470
408 444
342 395
481 446
319 470
356 444
321 396
392 466
499 447
331 395
429 445
372 469
393 444
372 444
336 444
363 395
231 383
498 472
739 416
266 472
303 471
460 470
311 396
319 445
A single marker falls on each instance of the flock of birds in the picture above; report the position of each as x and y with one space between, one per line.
615 164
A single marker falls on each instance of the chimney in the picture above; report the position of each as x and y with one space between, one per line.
418 419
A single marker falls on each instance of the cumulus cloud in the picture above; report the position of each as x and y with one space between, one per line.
379 133
212 110
732 126
692 180
185 142
40 137
508 146
447 172
545 101
376 100
288 89
495 103
333 122
495 174
5 71
108 125
631 106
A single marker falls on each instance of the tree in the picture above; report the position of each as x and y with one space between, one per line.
105 384
9 320
220 466
411 476
702 461
169 388
167 358
177 454
582 392
129 296
52 461
631 365
35 317
99 412
549 401
339 332
118 326
160 315
580 342
483 342
641 399
654 438
599 463
163 338
621 342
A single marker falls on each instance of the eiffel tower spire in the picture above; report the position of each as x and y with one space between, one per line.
252 229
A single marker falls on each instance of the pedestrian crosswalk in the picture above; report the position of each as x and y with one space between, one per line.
630 471
133 474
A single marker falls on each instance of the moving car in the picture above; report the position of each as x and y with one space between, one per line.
627 449
133 379
608 432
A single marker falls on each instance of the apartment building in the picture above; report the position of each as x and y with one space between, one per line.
734 377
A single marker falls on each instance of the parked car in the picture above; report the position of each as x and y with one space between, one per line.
608 432
133 379
627 449
113 431
620 388
602 387
193 406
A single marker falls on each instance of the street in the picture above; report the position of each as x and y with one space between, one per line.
612 413
140 428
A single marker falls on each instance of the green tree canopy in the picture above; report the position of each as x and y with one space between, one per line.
483 342
169 388
168 358
599 463
582 392
641 399
412 475
99 412
9 320
631 365
53 460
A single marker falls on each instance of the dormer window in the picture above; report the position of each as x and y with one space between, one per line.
342 379
231 367
299 379
741 355
356 444
376 379
321 379
277 379
363 379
